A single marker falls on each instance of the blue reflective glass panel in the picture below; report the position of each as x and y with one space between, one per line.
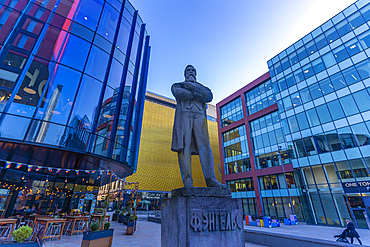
88 13
364 39
321 41
363 69
108 22
343 27
335 110
85 105
349 105
97 63
326 86
305 95
315 91
75 52
340 53
312 117
115 74
362 99
351 75
59 95
338 81
323 113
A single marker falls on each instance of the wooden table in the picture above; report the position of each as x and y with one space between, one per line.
48 221
36 217
99 217
9 221
75 219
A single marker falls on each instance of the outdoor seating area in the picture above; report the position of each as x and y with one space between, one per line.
267 222
49 227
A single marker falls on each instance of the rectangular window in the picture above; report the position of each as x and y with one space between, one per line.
349 105
361 133
326 86
322 144
302 121
362 99
333 140
364 39
353 47
312 117
335 110
293 124
305 95
347 138
318 65
351 75
338 81
293 58
315 91
363 69
321 41
343 27
340 53
323 113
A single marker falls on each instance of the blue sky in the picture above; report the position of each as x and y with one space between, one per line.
228 42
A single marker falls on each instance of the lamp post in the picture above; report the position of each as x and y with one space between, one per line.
282 165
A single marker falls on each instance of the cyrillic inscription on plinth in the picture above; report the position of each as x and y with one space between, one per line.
202 217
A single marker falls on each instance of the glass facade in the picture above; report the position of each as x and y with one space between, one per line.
231 112
316 133
73 77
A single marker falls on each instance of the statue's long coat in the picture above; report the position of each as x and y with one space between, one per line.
187 99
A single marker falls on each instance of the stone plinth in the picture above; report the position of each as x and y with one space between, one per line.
202 217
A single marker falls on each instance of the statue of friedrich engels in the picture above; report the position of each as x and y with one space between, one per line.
190 129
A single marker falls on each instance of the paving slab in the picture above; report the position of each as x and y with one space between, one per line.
313 231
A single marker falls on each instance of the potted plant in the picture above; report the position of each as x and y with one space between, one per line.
120 216
94 237
21 235
99 210
115 215
131 225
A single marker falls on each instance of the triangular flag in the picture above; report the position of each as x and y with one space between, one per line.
50 169
68 170
19 165
8 164
38 168
58 170
29 168
93 171
87 171
77 172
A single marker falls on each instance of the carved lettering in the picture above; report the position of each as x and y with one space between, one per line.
205 221
233 221
228 221
217 221
211 224
239 220
222 221
195 223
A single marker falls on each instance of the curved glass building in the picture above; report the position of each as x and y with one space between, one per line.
72 84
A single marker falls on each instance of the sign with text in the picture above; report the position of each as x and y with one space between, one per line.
216 221
355 187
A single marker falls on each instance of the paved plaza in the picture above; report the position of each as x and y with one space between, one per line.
313 231
149 234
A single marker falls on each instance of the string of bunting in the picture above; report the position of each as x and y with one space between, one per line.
18 166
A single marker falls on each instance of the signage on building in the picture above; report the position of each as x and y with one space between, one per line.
151 195
355 187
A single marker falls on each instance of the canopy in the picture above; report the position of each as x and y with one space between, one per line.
145 202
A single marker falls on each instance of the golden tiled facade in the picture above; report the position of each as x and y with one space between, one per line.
158 168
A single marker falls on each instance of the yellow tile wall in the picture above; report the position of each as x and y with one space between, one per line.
158 168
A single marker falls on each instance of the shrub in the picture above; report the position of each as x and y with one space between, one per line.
94 226
22 234
106 225
117 212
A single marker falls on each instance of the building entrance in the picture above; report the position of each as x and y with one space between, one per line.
360 216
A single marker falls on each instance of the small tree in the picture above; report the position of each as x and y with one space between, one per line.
22 234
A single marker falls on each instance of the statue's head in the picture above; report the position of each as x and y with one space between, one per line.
190 73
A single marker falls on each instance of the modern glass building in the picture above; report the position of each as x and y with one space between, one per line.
296 140
73 77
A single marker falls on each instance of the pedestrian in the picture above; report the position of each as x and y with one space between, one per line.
352 232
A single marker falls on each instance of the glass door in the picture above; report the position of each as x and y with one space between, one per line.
360 218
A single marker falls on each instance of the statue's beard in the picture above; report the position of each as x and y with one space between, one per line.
191 78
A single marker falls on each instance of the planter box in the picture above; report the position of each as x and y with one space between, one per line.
125 219
99 238
24 244
114 217
120 218
131 228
